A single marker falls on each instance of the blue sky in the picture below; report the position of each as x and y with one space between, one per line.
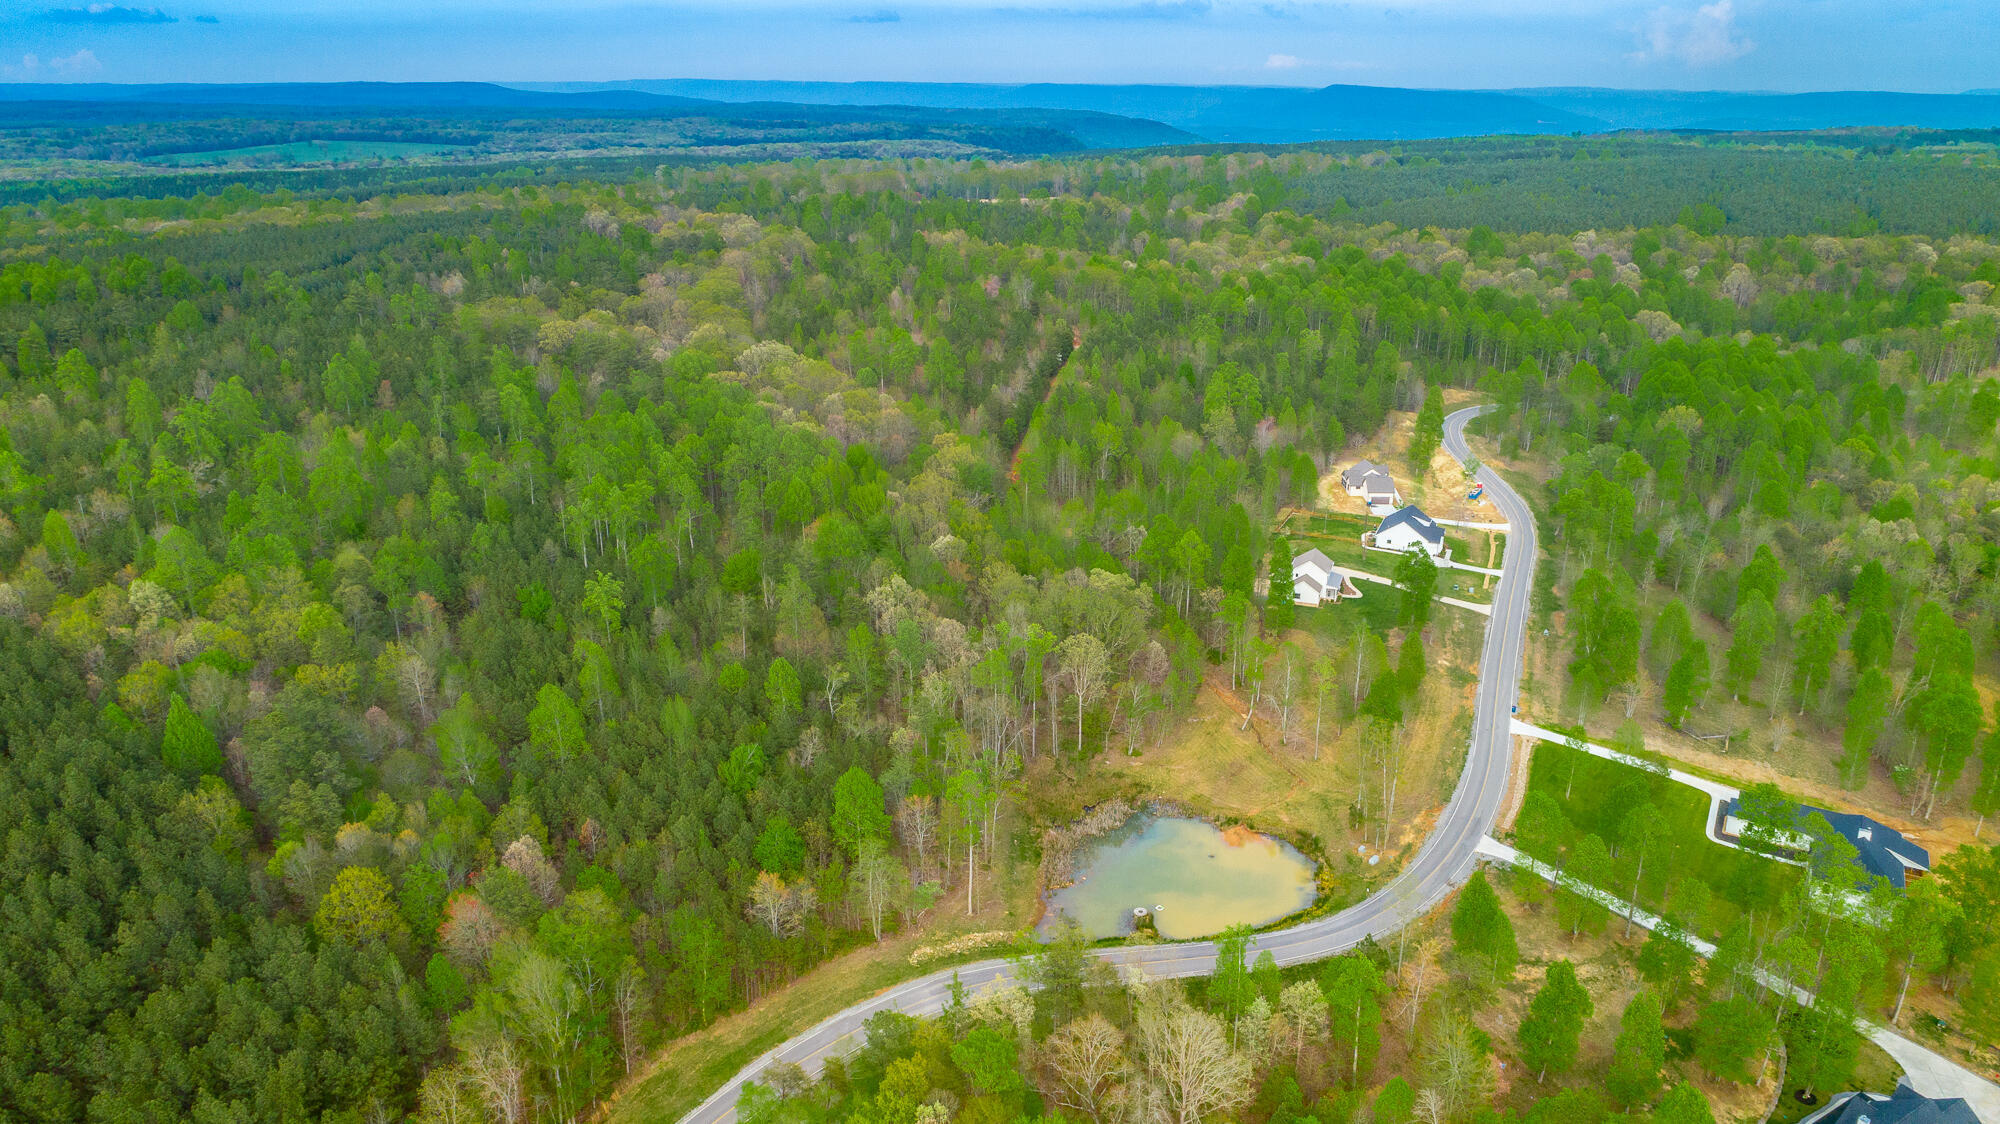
1919 45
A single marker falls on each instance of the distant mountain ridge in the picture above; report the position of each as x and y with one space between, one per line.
1229 114
346 95
1038 116
1280 114
1022 130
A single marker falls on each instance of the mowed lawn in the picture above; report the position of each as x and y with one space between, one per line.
1601 794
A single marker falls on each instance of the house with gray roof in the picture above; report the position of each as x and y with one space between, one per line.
1882 850
1904 1106
1373 484
1316 580
1407 529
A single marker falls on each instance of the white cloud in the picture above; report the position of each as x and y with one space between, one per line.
29 69
34 67
1706 36
79 65
1282 62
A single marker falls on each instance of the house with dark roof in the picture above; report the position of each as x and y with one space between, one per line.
1315 580
1407 529
1373 484
1882 849
1904 1106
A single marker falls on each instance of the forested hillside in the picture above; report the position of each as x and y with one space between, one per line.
456 641
74 130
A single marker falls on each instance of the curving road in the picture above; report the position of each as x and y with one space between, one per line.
1445 859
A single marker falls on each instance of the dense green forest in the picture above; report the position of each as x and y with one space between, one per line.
463 632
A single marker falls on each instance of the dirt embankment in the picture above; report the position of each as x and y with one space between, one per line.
1059 844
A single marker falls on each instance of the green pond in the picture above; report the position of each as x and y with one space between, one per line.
1195 879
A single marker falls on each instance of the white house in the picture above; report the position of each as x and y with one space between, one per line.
1407 529
1316 580
1373 484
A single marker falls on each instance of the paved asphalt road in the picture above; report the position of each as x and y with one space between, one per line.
1445 859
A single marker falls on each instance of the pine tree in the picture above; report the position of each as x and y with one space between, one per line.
1640 1052
1687 683
1986 797
1589 866
1231 989
1754 627
1481 928
1684 1104
1818 642
1353 988
1867 710
1429 432
1553 1026
1727 1032
1279 612
188 746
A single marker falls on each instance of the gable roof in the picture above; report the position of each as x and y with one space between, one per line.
1359 471
1378 483
1882 849
1905 1106
1313 557
1412 516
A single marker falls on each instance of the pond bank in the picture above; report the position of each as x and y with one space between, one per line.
1191 877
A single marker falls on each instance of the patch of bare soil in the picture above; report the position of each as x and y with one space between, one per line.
1237 835
1517 784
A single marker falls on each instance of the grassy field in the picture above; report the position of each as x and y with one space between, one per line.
1475 547
1345 550
1337 524
1598 794
1475 588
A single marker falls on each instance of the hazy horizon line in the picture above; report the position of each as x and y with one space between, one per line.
542 84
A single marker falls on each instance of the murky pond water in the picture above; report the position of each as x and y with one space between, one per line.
1197 879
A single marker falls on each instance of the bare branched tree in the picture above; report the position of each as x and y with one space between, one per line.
1084 1064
